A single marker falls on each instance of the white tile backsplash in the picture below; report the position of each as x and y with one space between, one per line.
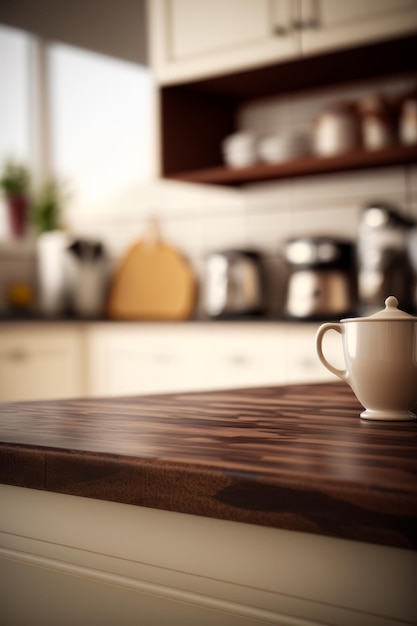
339 220
224 232
300 110
359 187
267 230
258 216
186 234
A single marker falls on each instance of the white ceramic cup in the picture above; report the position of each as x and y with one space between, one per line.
380 354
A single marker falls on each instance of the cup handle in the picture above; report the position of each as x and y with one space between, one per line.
343 374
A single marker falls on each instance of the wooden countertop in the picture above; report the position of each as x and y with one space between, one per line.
295 457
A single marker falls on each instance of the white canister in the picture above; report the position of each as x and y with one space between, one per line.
240 149
377 125
52 286
336 130
284 146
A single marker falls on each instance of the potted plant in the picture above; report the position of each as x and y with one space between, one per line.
15 184
51 244
46 207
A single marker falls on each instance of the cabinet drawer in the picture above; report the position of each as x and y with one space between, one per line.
151 359
40 364
248 358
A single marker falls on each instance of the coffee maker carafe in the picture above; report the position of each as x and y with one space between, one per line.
383 262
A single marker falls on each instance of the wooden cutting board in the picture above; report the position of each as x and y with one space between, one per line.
154 282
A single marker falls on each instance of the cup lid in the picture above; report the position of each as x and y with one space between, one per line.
390 313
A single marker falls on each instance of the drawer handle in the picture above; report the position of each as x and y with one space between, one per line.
239 359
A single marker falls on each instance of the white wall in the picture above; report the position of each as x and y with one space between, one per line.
105 26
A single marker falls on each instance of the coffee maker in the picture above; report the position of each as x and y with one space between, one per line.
322 278
383 261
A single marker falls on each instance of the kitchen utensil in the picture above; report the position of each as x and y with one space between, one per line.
322 277
240 149
381 361
234 284
86 273
154 282
377 125
284 146
336 130
383 262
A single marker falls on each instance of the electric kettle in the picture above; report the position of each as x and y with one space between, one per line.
233 284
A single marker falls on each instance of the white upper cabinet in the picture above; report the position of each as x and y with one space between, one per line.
333 24
192 39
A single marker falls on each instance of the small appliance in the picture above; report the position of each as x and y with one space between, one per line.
383 261
86 269
233 284
322 280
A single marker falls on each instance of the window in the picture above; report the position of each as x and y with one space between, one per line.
100 123
15 115
87 116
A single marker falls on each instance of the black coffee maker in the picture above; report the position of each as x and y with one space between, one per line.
384 267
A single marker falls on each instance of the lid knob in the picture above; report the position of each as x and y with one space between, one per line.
392 312
391 302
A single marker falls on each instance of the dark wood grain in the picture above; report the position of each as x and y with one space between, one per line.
295 457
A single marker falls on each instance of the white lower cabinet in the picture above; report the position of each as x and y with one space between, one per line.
301 361
48 361
41 361
69 560
147 358
151 358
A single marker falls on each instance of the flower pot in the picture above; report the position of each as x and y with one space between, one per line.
17 208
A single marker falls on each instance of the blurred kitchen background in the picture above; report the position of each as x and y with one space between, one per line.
189 188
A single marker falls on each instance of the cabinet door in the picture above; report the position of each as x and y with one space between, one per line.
140 359
199 27
192 38
331 24
146 358
40 363
245 356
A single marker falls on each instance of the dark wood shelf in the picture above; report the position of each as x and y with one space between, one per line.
197 115
357 160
